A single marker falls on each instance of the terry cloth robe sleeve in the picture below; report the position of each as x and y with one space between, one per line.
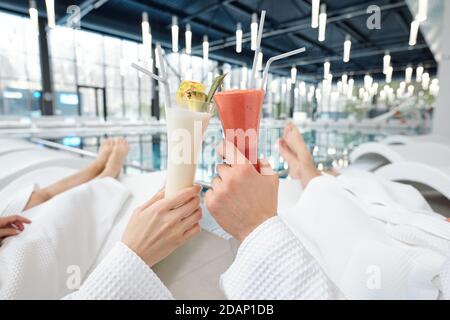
122 275
272 264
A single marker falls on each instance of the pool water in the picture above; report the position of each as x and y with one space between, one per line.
148 151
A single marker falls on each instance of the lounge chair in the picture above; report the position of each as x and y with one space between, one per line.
8 145
16 164
427 163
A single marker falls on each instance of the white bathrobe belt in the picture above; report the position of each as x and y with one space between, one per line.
421 221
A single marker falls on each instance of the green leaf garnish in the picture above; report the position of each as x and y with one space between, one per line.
215 85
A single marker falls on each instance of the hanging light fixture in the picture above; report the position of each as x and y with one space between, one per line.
326 69
410 90
419 73
293 74
188 39
344 78
50 6
302 88
205 49
351 84
368 80
386 62
408 74
315 10
259 64
425 80
347 48
175 34
414 32
422 11
239 38
254 31
389 72
322 22
146 35
34 15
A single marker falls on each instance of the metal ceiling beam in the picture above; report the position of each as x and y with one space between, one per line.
302 24
86 7
355 55
206 9
297 6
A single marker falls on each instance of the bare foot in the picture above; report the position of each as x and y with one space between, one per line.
106 148
116 160
295 151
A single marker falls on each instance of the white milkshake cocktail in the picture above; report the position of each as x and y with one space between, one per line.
185 129
187 122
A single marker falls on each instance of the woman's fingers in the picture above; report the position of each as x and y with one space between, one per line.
6 221
181 198
8 232
188 222
186 210
18 226
191 232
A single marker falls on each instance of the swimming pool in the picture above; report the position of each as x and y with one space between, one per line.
148 150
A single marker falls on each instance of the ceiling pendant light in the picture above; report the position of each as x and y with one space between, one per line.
389 72
293 74
50 6
205 49
425 80
188 39
347 48
34 15
419 73
344 78
408 74
259 64
146 35
368 80
315 10
414 32
254 31
326 69
322 22
239 38
386 62
175 34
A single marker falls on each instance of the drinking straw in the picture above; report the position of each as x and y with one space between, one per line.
162 69
147 72
258 48
275 58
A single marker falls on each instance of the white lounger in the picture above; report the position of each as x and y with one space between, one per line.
8 145
429 138
18 163
426 163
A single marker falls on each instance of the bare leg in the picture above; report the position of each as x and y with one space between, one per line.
83 176
295 151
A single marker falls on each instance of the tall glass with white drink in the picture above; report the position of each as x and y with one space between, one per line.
185 130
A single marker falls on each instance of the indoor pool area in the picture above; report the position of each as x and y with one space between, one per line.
248 151
148 151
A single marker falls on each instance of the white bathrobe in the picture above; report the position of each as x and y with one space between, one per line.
57 250
272 262
374 239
